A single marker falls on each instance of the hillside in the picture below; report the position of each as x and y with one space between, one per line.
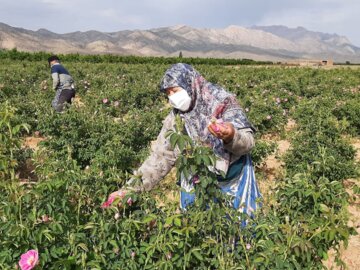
259 42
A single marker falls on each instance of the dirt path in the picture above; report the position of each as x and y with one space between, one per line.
77 102
32 142
351 254
272 169
25 171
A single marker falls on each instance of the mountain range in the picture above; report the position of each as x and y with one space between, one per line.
272 43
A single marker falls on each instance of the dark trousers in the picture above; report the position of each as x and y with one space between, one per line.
62 97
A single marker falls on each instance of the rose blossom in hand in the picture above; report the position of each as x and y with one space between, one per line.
108 203
215 124
130 201
112 197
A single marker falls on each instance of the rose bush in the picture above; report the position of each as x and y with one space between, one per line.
91 150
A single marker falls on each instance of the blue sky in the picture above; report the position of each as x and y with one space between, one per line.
64 16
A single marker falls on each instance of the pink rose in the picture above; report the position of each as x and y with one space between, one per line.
45 218
108 203
121 193
216 124
105 100
169 256
129 201
29 260
112 198
196 180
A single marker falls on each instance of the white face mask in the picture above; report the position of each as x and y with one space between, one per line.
180 100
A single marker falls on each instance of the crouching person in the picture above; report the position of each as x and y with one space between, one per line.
63 83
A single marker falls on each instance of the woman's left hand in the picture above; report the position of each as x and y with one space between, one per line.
225 131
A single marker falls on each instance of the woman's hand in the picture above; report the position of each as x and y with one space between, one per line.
121 193
224 131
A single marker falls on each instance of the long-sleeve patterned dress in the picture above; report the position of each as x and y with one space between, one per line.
208 101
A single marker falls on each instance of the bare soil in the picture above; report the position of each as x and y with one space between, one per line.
77 102
350 254
26 169
32 142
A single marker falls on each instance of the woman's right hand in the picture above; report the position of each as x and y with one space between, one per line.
121 193
222 130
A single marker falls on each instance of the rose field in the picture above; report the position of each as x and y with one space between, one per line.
57 169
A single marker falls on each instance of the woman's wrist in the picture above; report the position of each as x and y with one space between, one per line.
230 136
228 140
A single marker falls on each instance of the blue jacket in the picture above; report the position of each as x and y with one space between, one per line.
61 77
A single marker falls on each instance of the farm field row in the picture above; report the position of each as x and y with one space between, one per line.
57 169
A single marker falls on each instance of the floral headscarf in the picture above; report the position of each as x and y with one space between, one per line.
208 101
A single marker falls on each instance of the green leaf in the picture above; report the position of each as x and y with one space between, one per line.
168 220
169 133
197 255
173 139
181 143
332 235
113 243
149 218
178 231
325 256
177 222
206 160
83 246
186 173
324 208
259 260
89 225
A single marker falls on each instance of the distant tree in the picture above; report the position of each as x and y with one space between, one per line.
347 62
180 54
